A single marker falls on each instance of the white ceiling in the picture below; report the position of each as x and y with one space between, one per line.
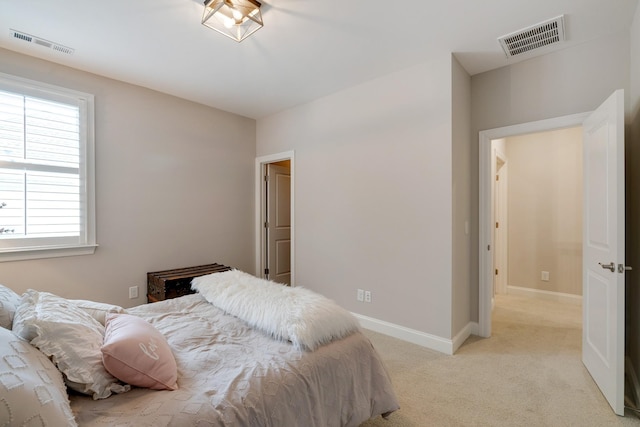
307 48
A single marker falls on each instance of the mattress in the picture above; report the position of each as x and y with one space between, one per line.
230 374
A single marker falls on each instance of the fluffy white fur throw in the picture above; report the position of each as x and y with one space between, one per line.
299 315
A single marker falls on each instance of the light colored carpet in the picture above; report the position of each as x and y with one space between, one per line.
529 373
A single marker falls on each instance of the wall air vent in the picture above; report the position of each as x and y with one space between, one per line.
42 42
537 36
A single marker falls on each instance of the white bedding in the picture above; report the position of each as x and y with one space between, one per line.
230 374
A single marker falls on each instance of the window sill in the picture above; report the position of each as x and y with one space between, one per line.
23 254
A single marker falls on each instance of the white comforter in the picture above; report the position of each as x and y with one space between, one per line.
232 375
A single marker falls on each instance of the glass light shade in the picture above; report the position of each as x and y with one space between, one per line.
236 19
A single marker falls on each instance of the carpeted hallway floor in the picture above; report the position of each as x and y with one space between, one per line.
529 373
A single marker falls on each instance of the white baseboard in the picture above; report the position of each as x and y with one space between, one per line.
541 294
471 328
420 338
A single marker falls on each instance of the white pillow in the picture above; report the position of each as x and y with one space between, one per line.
306 318
97 310
9 301
23 324
71 337
32 391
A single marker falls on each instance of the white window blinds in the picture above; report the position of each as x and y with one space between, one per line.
46 148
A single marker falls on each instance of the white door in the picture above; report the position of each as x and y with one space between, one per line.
279 224
603 249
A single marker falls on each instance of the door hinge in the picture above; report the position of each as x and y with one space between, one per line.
497 225
497 177
266 271
496 271
266 224
266 178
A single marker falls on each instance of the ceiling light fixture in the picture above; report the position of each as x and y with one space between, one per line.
236 19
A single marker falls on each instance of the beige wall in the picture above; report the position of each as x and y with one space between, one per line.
569 81
374 194
174 187
461 155
545 210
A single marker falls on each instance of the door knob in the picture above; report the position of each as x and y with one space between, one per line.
622 268
611 266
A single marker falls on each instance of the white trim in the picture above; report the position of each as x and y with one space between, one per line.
422 339
27 248
260 162
46 252
545 295
501 214
470 329
485 240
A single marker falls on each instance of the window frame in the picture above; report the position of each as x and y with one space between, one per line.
87 243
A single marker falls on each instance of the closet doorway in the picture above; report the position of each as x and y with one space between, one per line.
275 218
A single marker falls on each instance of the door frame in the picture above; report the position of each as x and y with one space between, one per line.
260 239
485 202
500 216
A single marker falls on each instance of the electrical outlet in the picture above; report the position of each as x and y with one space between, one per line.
133 292
360 295
367 296
545 276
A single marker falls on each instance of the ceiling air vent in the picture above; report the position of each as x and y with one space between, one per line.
540 35
42 42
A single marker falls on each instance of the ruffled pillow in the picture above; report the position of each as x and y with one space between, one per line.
97 310
9 301
71 337
32 391
138 354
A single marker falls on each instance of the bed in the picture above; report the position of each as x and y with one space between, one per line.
234 365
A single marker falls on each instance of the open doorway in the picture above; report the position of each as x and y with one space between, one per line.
488 240
275 218
603 239
538 242
538 215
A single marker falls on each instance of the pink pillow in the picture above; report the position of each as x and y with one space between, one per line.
137 353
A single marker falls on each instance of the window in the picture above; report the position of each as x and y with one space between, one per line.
46 171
